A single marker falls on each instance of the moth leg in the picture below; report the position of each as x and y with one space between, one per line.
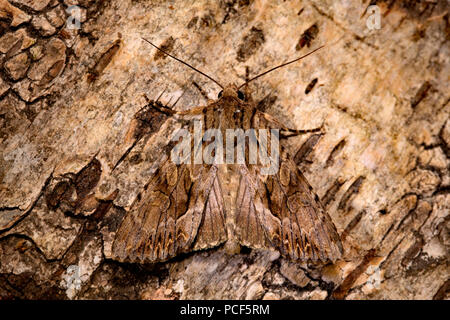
160 95
191 112
158 106
178 99
200 89
287 132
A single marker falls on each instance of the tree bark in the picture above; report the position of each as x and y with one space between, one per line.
76 148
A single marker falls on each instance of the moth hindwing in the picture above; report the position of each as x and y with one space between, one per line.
190 206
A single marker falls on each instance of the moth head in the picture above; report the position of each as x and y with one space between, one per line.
231 91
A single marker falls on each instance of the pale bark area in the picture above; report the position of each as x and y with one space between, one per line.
69 168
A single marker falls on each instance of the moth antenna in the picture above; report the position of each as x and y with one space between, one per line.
280 66
186 64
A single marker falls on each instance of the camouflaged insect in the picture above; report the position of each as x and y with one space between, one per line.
189 207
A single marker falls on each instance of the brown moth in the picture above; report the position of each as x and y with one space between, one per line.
188 206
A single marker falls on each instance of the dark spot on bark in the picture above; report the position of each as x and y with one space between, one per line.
231 9
167 46
52 73
54 196
25 286
250 44
125 278
14 49
413 251
136 158
443 292
414 8
421 94
306 148
5 22
192 22
266 102
104 206
447 26
113 218
73 190
346 285
353 189
307 37
419 33
423 262
248 259
169 146
63 34
311 85
207 20
87 178
336 150
149 119
103 61
243 3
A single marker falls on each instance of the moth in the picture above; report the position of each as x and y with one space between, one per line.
189 206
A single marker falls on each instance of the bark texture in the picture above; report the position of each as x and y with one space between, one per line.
76 148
